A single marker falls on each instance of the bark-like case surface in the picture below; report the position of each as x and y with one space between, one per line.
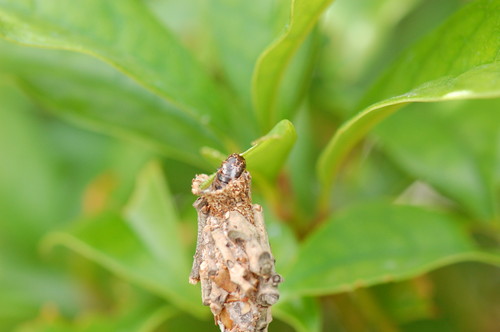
233 259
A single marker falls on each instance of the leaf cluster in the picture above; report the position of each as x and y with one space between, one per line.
371 130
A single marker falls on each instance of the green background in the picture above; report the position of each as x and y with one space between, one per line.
371 129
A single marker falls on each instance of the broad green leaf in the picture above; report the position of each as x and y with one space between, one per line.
272 63
462 53
457 61
143 247
358 30
304 314
125 35
454 147
363 38
87 92
375 243
187 20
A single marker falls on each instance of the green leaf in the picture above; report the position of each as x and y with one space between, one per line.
304 313
26 159
125 35
268 154
273 62
152 215
375 243
297 78
31 188
87 92
263 20
109 241
142 318
363 38
144 247
457 61
301 162
229 21
42 179
459 154
187 20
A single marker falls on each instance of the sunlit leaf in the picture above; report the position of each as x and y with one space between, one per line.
364 38
459 154
457 61
375 243
272 63
89 93
125 35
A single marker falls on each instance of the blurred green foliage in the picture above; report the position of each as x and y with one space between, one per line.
371 129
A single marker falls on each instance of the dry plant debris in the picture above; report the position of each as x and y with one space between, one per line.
233 259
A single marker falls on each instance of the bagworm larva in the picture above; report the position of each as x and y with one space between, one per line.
233 259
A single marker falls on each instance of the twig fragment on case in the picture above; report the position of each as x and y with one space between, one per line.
233 259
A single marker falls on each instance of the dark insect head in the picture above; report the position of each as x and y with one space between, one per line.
230 169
